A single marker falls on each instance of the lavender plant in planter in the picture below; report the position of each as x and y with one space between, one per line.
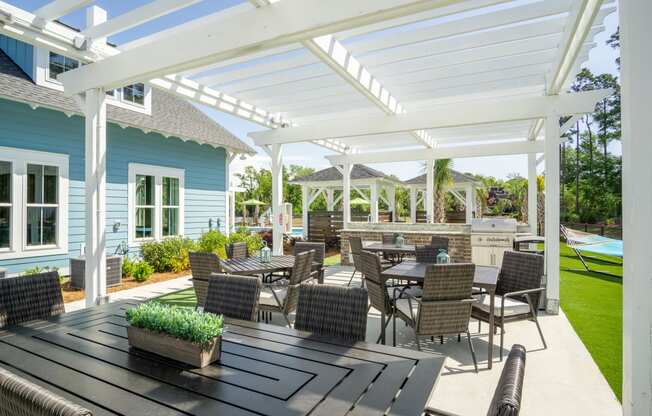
182 334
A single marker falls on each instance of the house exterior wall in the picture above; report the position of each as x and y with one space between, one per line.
52 131
20 52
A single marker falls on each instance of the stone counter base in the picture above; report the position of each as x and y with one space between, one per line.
459 244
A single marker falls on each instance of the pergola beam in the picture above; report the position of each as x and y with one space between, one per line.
205 43
453 115
57 8
494 149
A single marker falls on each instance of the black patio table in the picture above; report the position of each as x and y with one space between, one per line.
254 266
84 356
486 278
390 248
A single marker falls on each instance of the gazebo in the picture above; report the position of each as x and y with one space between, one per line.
377 81
460 183
329 181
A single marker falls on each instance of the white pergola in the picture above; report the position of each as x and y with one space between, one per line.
327 181
383 81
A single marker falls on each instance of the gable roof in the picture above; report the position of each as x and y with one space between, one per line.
332 174
171 116
456 176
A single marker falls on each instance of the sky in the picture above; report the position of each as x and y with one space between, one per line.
601 60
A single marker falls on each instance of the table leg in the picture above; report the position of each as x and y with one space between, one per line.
490 346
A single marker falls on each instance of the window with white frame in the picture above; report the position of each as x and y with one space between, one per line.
134 94
33 203
59 64
155 202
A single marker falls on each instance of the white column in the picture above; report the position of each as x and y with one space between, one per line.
469 203
552 213
373 203
413 204
96 15
532 206
95 187
430 191
305 207
635 33
346 193
330 199
277 198
391 198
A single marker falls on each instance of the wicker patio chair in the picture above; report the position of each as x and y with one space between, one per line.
509 391
426 254
332 311
355 244
237 250
282 297
444 308
28 298
517 293
439 243
389 238
202 265
320 253
19 397
233 296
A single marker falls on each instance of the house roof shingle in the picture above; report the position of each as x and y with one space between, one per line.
332 174
171 116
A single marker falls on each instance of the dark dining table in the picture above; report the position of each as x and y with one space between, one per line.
85 357
390 248
255 266
486 278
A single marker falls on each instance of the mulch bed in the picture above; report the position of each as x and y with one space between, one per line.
71 294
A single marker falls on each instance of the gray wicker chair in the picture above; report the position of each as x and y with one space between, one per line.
282 297
237 250
332 311
19 397
28 298
509 391
439 243
426 254
233 296
320 253
202 266
444 308
379 298
517 293
389 238
355 244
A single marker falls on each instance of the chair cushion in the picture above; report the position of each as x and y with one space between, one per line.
267 297
415 291
403 305
512 306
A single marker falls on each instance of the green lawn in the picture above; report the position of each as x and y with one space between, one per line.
593 304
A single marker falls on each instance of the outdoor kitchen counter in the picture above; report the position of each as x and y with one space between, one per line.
459 236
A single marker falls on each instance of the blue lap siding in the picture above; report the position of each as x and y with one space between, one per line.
52 131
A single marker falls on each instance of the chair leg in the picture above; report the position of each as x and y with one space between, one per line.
536 321
416 339
502 338
393 329
384 323
287 319
351 279
479 326
475 361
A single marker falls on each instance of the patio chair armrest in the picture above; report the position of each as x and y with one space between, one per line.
523 292
432 411
273 285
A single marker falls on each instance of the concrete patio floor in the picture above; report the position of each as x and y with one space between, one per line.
560 380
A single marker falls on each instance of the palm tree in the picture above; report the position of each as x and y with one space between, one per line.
442 180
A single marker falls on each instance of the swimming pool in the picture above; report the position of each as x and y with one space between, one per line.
296 231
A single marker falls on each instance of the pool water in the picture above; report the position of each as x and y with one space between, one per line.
296 231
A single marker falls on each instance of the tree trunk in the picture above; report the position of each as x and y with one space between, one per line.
480 205
577 168
440 206
605 143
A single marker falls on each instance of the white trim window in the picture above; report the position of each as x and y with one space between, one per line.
58 64
33 203
156 196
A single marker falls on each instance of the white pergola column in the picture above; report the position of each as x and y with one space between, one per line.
635 33
346 193
469 202
305 207
373 203
532 206
330 199
552 213
95 187
413 204
277 198
430 191
391 199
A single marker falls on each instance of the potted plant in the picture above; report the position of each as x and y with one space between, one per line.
182 334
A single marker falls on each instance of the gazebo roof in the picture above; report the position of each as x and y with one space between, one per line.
458 178
358 173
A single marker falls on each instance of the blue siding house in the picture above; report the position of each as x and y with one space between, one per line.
167 164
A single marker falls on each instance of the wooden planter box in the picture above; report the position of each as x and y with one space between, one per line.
176 349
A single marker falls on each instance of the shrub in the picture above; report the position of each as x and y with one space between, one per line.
213 242
254 241
38 269
182 323
168 255
127 267
141 271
